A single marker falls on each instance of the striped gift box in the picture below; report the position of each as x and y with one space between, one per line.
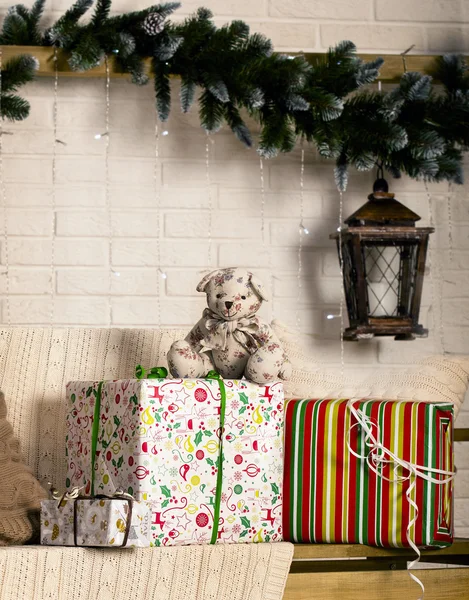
330 495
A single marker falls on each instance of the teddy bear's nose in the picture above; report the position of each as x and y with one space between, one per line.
228 305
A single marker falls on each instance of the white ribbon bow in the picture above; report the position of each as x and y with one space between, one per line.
378 456
244 330
71 495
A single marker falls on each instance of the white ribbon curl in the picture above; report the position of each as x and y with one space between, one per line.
379 455
71 495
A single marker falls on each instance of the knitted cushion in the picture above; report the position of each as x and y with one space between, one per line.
439 378
310 377
20 493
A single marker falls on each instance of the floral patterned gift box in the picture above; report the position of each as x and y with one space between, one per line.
207 454
96 522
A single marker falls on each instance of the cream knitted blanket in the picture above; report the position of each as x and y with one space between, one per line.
225 572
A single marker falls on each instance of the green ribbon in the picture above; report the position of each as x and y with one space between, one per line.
140 373
153 373
94 432
216 517
161 373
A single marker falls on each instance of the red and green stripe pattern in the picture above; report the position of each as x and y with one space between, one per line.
331 496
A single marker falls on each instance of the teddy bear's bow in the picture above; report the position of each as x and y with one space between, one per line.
245 331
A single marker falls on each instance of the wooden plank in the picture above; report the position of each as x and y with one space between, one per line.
390 72
457 559
353 564
440 584
461 435
331 551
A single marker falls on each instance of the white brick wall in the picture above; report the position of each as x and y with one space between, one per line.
81 280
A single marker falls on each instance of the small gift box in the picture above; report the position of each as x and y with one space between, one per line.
114 522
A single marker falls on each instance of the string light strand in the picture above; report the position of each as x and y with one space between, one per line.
301 230
209 197
261 172
5 212
53 195
342 291
433 266
158 202
449 201
263 234
112 272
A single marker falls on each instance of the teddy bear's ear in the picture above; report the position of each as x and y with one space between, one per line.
204 282
258 287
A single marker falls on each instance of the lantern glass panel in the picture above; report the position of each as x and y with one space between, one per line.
390 273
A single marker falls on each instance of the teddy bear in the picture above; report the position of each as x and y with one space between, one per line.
230 337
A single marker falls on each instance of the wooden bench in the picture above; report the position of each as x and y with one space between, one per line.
358 572
324 572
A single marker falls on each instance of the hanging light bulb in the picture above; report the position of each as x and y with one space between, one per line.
165 132
330 317
115 273
304 229
162 273
98 136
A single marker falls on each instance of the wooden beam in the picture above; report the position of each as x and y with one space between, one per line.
390 72
45 56
393 67
440 584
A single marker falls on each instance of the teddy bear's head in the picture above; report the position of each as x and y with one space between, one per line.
232 293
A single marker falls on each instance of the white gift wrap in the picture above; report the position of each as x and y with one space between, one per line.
99 522
160 440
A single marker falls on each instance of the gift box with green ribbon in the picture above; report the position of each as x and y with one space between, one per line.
206 453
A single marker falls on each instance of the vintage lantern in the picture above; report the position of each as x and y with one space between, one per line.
383 257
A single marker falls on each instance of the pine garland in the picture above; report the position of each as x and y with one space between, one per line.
411 129
17 72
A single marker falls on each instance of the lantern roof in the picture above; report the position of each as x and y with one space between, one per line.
383 209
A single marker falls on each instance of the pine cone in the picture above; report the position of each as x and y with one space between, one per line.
153 24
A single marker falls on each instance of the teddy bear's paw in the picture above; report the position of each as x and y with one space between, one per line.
255 373
184 361
286 371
